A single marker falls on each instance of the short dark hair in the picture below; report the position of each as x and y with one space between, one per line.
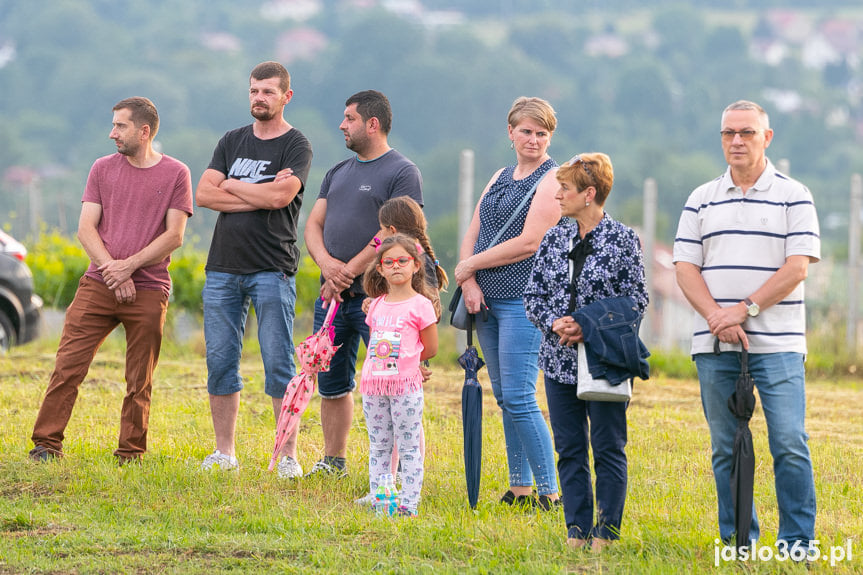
143 113
267 70
373 104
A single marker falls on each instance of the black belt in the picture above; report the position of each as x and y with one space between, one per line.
348 294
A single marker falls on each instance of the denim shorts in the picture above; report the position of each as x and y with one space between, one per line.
350 327
226 306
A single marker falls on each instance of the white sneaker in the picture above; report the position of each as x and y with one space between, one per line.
367 500
289 468
218 460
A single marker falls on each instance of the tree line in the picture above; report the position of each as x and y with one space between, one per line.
654 108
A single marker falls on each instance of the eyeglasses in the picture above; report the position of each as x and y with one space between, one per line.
576 159
745 135
402 261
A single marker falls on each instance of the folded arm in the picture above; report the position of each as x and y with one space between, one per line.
222 194
266 195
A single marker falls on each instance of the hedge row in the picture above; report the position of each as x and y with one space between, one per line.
58 261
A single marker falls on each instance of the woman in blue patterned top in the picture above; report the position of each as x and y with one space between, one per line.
609 254
495 276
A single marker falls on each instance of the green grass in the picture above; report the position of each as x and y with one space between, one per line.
85 515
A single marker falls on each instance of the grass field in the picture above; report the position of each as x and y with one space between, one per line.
85 515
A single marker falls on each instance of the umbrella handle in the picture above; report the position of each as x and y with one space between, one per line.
744 355
331 312
483 309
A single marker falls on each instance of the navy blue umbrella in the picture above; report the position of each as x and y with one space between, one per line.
471 416
742 404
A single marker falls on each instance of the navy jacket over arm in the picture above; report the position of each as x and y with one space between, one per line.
614 350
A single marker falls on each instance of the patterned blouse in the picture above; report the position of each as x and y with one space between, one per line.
615 268
495 209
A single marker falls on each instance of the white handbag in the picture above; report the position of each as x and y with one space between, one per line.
590 389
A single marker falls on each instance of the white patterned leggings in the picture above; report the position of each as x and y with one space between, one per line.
398 417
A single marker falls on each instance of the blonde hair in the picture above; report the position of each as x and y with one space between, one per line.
537 109
592 169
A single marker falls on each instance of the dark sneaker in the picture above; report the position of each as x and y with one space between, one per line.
42 454
328 466
525 502
546 503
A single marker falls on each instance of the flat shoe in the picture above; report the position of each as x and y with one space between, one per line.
576 543
546 503
597 544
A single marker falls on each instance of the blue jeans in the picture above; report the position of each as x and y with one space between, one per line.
350 327
780 380
510 348
226 306
578 426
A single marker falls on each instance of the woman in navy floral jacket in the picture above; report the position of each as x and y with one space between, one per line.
608 263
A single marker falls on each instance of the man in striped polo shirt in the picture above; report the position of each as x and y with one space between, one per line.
743 247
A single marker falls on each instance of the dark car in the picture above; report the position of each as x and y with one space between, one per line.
20 308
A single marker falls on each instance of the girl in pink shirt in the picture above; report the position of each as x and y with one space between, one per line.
403 215
403 333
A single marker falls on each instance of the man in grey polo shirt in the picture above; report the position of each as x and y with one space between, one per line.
338 235
743 247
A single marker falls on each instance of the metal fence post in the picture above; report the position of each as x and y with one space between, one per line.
465 211
649 242
854 261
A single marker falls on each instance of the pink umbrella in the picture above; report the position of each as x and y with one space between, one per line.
314 354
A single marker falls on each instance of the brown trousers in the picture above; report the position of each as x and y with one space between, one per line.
90 318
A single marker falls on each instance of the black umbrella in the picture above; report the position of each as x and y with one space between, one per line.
471 416
742 404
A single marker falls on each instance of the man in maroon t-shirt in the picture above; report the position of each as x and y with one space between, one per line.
134 214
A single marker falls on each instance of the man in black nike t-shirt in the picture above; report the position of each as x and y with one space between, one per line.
253 256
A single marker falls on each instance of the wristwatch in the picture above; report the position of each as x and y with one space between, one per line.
751 307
